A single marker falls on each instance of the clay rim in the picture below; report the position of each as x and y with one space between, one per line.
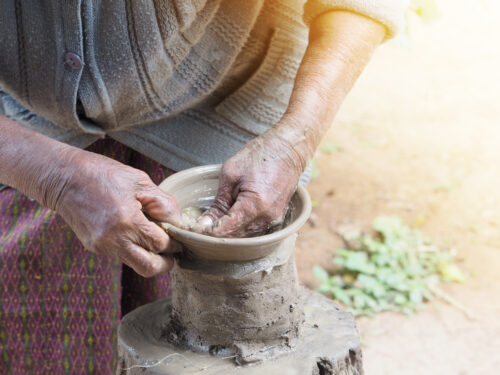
188 236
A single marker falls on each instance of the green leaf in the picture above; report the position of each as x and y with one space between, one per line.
321 274
451 272
358 261
359 301
329 148
427 10
416 296
368 282
315 202
324 289
443 188
400 299
314 169
341 295
394 269
382 259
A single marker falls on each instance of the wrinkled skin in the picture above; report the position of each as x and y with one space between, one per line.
105 207
256 185
102 200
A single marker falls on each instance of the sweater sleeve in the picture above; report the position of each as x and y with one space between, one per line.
388 12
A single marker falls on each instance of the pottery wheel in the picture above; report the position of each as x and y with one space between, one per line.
328 345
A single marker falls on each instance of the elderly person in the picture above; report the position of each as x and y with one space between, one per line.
101 100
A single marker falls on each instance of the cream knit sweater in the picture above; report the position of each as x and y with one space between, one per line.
388 12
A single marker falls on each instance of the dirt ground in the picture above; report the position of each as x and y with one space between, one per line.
419 137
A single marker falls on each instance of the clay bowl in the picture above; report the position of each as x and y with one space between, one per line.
197 187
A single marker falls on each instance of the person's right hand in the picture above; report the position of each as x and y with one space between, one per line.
104 202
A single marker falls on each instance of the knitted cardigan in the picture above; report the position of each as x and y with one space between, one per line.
185 82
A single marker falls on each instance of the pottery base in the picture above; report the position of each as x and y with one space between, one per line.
328 345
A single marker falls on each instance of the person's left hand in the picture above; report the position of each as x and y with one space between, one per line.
256 185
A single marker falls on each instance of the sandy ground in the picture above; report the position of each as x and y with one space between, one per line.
419 137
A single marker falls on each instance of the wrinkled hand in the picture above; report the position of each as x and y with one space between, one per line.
256 185
104 202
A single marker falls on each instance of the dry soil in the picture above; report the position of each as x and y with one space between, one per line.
419 137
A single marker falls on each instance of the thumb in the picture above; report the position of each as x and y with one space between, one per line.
160 205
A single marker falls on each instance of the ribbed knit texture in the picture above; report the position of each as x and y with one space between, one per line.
185 82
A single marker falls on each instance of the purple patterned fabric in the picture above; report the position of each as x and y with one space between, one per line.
60 304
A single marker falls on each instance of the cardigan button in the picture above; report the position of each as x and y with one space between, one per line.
73 60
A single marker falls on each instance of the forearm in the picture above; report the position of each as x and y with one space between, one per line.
30 161
341 43
103 201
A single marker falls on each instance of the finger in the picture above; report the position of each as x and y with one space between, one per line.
144 262
222 204
226 195
242 219
160 205
153 238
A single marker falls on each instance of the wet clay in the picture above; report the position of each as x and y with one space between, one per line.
197 187
252 317
190 216
328 345
237 302
191 221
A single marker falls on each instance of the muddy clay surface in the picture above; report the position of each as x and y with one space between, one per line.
328 344
234 297
254 317
193 220
197 187
419 137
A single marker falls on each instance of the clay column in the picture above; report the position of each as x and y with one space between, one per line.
236 304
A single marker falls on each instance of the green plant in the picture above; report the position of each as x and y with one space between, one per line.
427 10
314 169
396 268
329 148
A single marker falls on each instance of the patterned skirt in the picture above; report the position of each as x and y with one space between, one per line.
60 305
